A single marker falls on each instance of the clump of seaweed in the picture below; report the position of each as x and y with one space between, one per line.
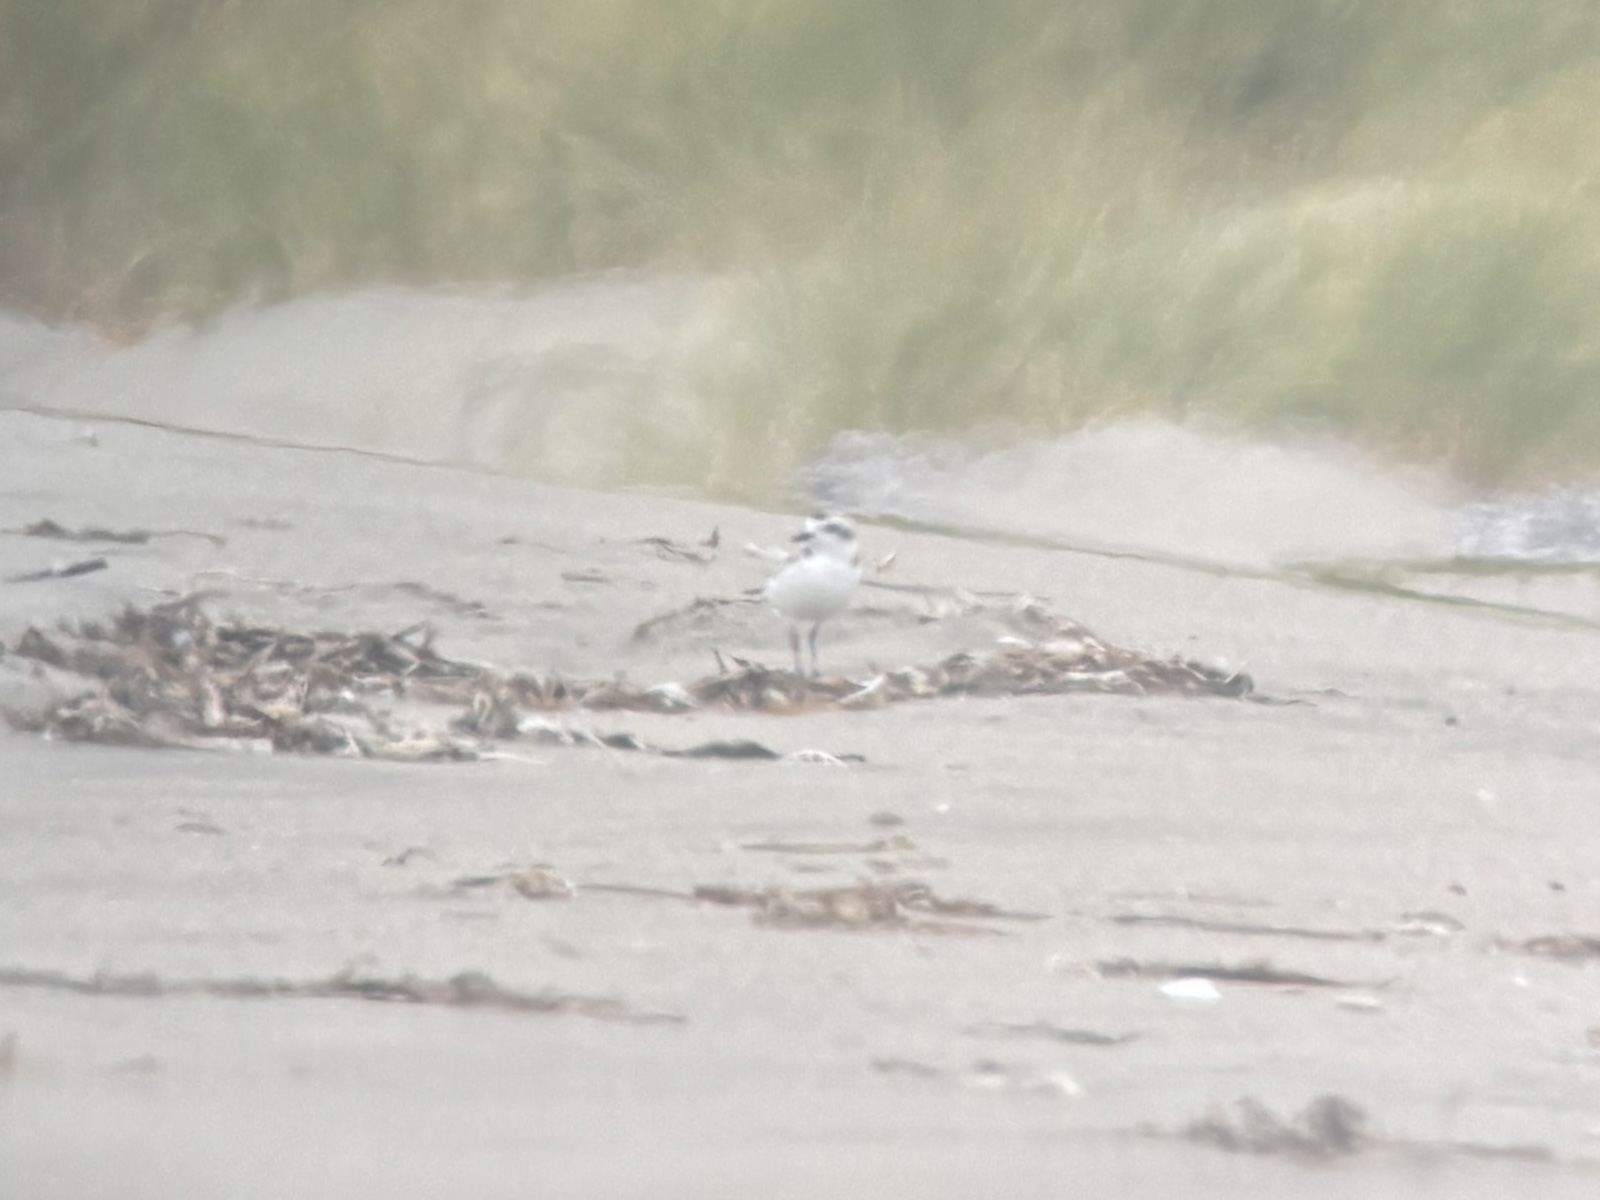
171 676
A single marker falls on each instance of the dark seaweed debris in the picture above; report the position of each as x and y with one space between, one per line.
1329 1127
1260 971
84 566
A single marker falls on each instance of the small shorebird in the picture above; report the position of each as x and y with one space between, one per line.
816 581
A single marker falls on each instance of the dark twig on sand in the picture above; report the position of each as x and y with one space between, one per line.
1259 972
1050 1032
83 566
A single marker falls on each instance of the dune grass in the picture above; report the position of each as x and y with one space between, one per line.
1376 218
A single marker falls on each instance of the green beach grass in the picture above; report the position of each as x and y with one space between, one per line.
1375 219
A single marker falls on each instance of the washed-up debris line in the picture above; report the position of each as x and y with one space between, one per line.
906 905
128 537
1062 657
1056 656
1050 1032
469 989
172 676
1568 947
1248 928
1261 972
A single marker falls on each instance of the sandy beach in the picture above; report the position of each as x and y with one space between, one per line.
1349 882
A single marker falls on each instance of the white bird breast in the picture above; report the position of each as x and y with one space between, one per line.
812 587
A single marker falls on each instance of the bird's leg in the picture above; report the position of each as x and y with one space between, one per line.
794 644
811 640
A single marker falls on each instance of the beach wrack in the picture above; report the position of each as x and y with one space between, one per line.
172 676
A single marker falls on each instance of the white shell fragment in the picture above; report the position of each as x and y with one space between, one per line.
1191 990
814 757
673 695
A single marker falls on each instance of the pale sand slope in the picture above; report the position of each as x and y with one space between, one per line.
1340 814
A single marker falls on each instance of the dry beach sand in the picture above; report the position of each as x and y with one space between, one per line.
264 974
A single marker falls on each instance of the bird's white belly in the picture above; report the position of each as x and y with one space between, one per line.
812 589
